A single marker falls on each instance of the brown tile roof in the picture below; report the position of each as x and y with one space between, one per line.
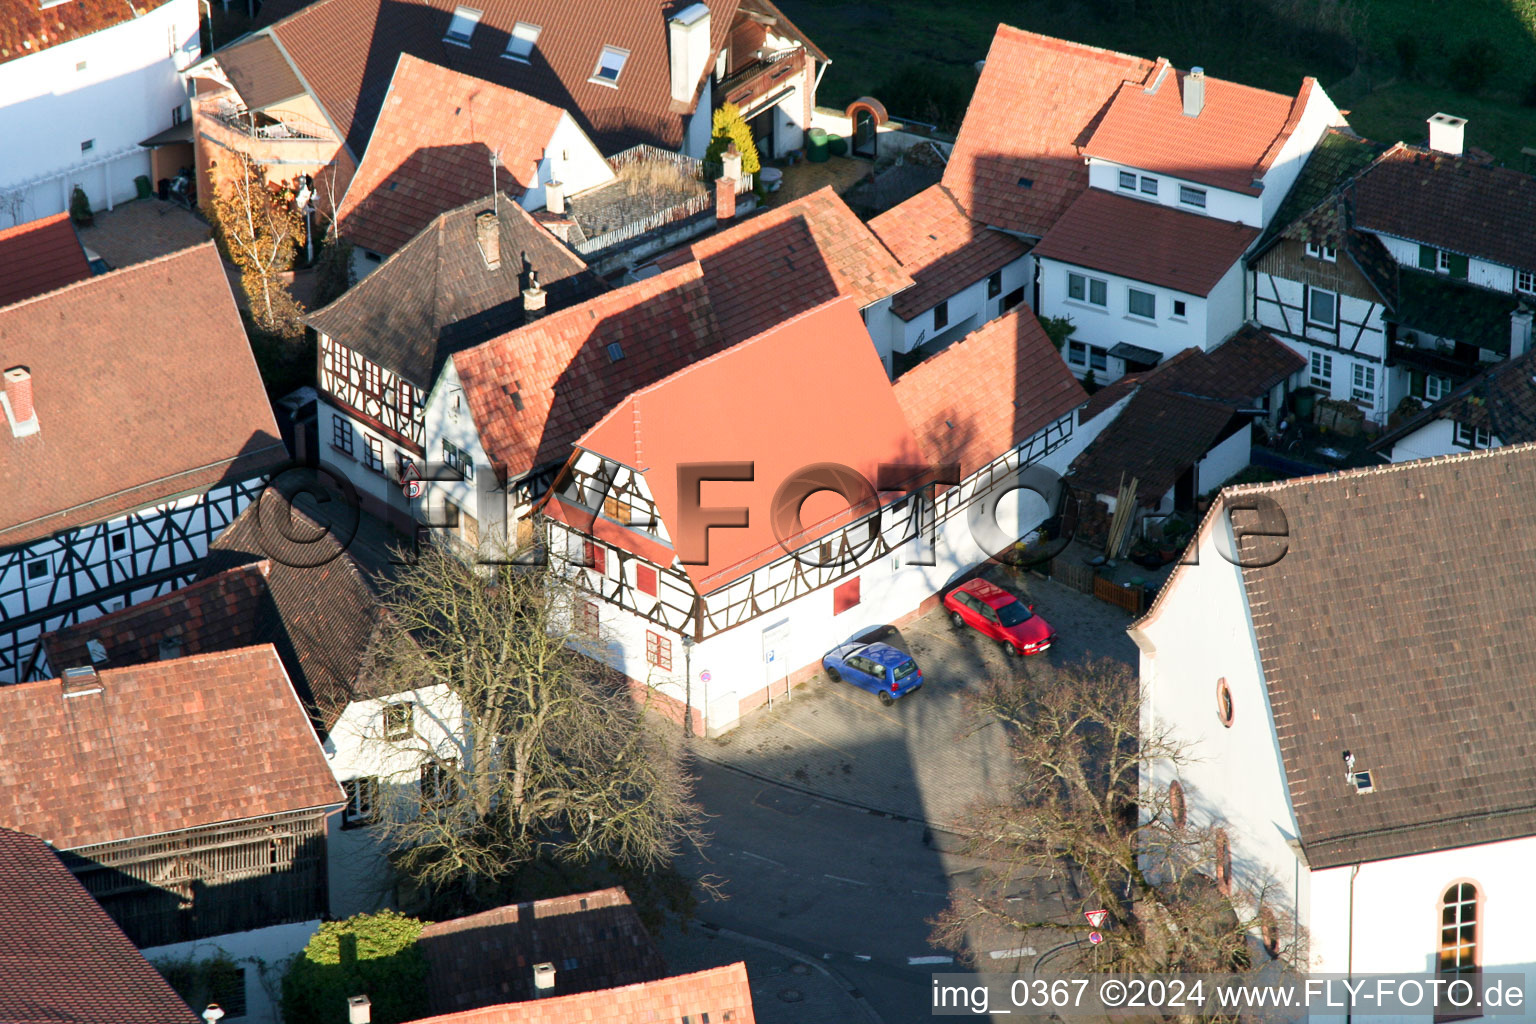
1157 436
1453 203
1017 162
986 393
789 259
1500 400
562 375
1397 627
431 148
346 50
436 296
191 413
943 249
1239 370
1146 241
722 992
1231 144
27 28
62 957
259 72
40 256
160 747
594 939
756 402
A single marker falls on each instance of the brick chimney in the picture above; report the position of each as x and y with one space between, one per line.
488 237
19 410
725 199
1194 92
554 197
534 298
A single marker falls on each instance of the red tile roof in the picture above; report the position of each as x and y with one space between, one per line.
160 747
1230 145
346 49
594 939
1146 241
431 147
27 28
943 249
62 957
145 388
562 373
811 390
40 256
790 259
986 393
721 992
1035 105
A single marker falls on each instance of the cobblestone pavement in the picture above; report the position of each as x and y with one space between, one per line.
922 757
142 230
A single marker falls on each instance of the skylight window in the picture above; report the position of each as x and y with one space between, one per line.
524 38
610 65
615 352
462 27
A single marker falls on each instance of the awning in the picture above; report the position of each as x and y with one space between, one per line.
175 133
1135 354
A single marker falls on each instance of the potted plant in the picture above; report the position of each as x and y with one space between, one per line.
80 208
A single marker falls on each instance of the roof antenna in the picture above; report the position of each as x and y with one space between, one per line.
495 190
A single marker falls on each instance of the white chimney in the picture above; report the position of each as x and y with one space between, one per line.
543 980
359 1010
1447 132
17 398
730 163
688 42
1194 92
554 197
534 298
1519 331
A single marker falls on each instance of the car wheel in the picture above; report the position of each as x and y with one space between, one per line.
1008 649
886 698
834 675
957 619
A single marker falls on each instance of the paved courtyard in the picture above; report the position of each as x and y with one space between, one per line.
922 757
142 230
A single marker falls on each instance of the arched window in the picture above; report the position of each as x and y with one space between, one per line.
1223 862
1458 929
1176 805
1224 709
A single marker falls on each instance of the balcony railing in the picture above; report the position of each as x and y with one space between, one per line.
275 127
748 85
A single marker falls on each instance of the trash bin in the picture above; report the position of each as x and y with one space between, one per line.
1305 400
837 145
142 184
816 145
165 189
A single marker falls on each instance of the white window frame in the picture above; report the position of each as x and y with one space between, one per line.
1326 253
1087 285
1130 299
1178 313
362 799
1363 383
1320 370
43 580
1148 185
1077 353
462 28
373 453
458 460
1443 261
404 708
1436 387
1472 437
1128 180
1191 196
603 60
341 430
1333 297
1525 281
522 41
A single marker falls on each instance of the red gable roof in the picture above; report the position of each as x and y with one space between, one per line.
1034 107
811 390
790 259
563 375
27 27
1231 143
431 147
989 391
942 248
136 403
1146 241
62 957
722 993
161 747
40 256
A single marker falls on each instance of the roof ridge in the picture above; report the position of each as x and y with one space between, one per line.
114 274
1086 48
1345 475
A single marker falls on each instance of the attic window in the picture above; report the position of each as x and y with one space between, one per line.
1026 183
517 400
462 27
520 45
615 352
1326 253
1363 783
1192 196
97 650
610 64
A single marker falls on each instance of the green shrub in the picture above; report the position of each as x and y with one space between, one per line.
1407 46
80 206
1473 66
217 979
370 954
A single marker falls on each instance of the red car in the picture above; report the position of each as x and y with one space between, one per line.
998 614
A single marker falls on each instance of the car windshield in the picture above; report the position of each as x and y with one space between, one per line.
903 670
1013 613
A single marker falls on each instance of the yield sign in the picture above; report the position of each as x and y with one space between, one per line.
1095 917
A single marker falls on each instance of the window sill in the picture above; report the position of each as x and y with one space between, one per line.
519 60
456 42
1080 304
1322 326
339 450
603 81
1179 319
1144 321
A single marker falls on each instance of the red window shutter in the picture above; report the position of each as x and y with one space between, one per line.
845 596
595 556
645 579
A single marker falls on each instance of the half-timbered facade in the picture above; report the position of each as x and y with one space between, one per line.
468 277
717 625
117 493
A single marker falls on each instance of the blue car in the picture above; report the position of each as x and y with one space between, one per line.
881 669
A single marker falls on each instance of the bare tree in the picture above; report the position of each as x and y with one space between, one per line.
1080 814
260 229
535 754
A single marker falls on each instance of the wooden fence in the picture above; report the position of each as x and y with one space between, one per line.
1084 579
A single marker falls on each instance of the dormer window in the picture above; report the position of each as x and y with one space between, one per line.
1326 253
462 27
1468 436
1148 186
1525 281
524 38
1128 181
1192 196
609 66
